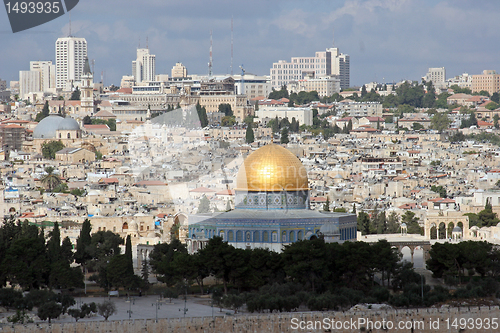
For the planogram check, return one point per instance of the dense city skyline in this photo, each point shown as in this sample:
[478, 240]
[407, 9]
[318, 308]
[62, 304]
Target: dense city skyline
[386, 40]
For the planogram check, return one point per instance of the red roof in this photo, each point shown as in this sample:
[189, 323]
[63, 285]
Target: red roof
[150, 183]
[124, 90]
[202, 190]
[225, 192]
[318, 199]
[96, 127]
[108, 181]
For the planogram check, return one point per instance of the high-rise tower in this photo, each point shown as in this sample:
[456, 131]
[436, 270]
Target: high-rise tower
[70, 58]
[143, 68]
[87, 90]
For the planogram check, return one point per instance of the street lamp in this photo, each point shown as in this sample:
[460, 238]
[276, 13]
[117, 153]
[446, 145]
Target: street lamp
[158, 305]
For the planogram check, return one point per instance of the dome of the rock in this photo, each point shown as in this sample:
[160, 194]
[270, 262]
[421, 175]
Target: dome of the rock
[272, 168]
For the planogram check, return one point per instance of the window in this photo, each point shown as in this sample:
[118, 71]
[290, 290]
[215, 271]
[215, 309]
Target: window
[256, 236]
[239, 236]
[230, 236]
[275, 236]
[265, 237]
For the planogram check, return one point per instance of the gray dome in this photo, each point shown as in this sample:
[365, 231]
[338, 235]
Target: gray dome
[46, 129]
[68, 124]
[330, 229]
[457, 229]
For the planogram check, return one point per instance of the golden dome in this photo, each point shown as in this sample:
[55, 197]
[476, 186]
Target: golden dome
[272, 168]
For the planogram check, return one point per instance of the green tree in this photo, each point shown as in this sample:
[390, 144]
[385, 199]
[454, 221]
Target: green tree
[412, 224]
[49, 311]
[219, 258]
[364, 223]
[87, 120]
[49, 149]
[278, 94]
[202, 114]
[429, 100]
[226, 109]
[249, 135]
[495, 120]
[491, 106]
[75, 95]
[83, 244]
[50, 180]
[487, 217]
[284, 135]
[204, 206]
[440, 122]
[106, 309]
[439, 189]
[162, 261]
[326, 206]
[44, 113]
[305, 261]
[228, 121]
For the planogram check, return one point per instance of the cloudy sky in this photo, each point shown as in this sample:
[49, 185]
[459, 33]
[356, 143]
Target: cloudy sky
[387, 40]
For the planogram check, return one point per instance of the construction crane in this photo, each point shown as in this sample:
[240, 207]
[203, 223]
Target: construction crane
[242, 80]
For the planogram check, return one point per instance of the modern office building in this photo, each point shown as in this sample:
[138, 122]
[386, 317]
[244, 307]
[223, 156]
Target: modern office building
[29, 82]
[488, 81]
[47, 72]
[70, 59]
[179, 71]
[324, 64]
[143, 68]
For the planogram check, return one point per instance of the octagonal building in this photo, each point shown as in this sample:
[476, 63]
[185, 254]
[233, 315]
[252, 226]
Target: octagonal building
[272, 208]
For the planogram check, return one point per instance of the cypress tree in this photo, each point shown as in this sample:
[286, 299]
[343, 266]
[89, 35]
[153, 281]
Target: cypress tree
[249, 136]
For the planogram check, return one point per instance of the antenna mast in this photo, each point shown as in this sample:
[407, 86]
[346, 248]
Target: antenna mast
[231, 46]
[69, 34]
[210, 61]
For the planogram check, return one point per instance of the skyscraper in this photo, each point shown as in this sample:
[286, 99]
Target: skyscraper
[47, 74]
[143, 68]
[327, 63]
[70, 59]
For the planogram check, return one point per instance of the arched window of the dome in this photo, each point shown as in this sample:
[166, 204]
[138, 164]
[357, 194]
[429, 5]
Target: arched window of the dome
[239, 236]
[300, 235]
[230, 236]
[256, 236]
[265, 237]
[292, 236]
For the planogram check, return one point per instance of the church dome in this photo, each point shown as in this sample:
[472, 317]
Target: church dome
[272, 168]
[68, 124]
[47, 127]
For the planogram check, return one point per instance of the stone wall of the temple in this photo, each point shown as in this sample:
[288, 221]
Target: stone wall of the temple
[484, 319]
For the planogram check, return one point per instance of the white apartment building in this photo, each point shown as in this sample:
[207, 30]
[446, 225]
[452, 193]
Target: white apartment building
[324, 86]
[463, 81]
[179, 71]
[359, 109]
[3, 85]
[47, 75]
[326, 63]
[70, 59]
[437, 75]
[143, 68]
[252, 85]
[303, 115]
[29, 82]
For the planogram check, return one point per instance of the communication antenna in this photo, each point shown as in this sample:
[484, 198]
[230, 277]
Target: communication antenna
[333, 37]
[147, 42]
[69, 34]
[93, 66]
[231, 46]
[210, 61]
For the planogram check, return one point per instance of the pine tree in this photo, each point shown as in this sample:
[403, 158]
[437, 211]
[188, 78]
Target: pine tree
[249, 136]
[326, 206]
[82, 254]
[128, 254]
[284, 135]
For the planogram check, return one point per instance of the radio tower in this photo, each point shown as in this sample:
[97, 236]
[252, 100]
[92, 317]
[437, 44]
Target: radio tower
[231, 46]
[210, 62]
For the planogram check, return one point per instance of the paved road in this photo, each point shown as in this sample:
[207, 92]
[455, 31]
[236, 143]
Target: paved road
[145, 308]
